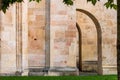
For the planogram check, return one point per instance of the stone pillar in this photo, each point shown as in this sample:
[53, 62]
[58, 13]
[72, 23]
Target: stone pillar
[47, 34]
[18, 37]
[24, 38]
[21, 38]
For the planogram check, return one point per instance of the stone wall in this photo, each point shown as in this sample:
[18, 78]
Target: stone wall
[14, 38]
[23, 38]
[63, 35]
[8, 41]
[36, 34]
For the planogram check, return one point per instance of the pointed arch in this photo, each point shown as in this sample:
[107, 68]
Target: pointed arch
[99, 37]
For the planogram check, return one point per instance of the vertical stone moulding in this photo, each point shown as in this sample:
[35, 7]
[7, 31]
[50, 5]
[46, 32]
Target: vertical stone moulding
[21, 39]
[18, 37]
[47, 34]
[24, 38]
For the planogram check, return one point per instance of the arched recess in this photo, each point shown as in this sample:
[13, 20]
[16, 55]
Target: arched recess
[99, 37]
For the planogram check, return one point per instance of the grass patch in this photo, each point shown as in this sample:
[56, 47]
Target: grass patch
[105, 77]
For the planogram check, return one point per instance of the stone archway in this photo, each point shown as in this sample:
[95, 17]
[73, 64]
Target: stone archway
[99, 37]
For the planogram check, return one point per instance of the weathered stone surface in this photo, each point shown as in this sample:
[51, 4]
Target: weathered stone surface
[24, 43]
[36, 34]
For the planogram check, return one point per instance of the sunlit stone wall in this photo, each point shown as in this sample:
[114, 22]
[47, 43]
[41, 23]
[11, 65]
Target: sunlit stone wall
[36, 34]
[8, 41]
[24, 47]
[63, 34]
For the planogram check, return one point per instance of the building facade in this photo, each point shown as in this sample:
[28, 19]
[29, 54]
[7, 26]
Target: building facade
[51, 38]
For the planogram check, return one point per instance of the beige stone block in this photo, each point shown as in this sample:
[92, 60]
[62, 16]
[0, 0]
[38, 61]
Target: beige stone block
[8, 62]
[25, 73]
[62, 12]
[40, 17]
[109, 70]
[70, 34]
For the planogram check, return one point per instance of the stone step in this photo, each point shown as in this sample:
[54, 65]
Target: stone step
[38, 69]
[63, 69]
[53, 71]
[36, 73]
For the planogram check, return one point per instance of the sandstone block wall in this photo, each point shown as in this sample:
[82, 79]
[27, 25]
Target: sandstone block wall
[63, 34]
[23, 37]
[36, 34]
[8, 41]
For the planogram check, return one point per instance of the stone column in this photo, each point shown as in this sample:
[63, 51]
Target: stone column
[21, 38]
[18, 37]
[47, 34]
[24, 38]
